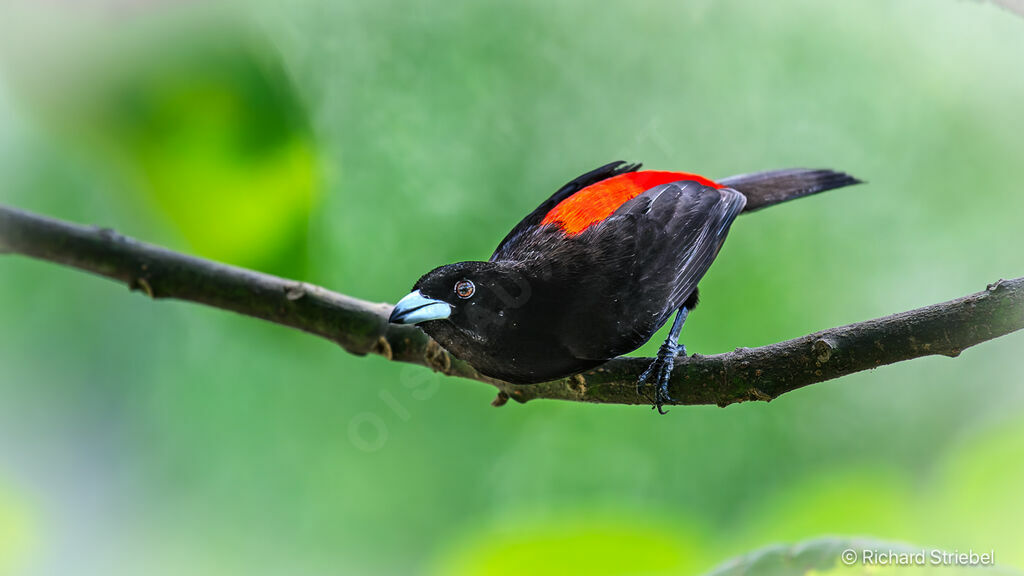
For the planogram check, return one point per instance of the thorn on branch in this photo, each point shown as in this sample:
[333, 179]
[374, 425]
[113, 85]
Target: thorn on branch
[109, 234]
[995, 285]
[500, 400]
[822, 350]
[141, 283]
[297, 291]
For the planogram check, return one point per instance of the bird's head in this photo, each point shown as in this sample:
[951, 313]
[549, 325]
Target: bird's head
[475, 299]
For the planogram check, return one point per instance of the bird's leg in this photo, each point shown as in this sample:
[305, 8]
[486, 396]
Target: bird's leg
[661, 367]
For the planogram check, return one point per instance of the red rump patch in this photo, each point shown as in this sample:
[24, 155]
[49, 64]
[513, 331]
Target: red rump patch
[598, 201]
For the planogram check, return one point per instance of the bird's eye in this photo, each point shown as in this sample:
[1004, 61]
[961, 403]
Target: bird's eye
[464, 289]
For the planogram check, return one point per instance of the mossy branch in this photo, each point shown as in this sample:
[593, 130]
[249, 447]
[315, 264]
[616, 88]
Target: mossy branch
[361, 327]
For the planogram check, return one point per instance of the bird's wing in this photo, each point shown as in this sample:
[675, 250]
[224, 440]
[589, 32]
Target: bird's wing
[649, 257]
[699, 226]
[587, 201]
[533, 219]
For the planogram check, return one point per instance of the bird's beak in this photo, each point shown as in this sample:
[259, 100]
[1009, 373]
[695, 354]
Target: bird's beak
[416, 308]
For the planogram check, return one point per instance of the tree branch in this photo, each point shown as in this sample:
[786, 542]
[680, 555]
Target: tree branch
[361, 327]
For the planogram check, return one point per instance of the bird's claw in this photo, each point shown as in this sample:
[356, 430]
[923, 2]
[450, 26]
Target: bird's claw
[661, 371]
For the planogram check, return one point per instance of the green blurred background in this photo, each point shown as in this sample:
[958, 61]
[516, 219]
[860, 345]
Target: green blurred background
[358, 145]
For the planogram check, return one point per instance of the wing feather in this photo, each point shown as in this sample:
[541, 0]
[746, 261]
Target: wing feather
[651, 254]
[507, 247]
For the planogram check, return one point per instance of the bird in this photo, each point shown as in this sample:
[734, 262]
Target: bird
[594, 272]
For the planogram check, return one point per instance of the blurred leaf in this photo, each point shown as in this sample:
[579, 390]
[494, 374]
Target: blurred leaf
[15, 530]
[221, 141]
[853, 501]
[978, 499]
[202, 118]
[576, 543]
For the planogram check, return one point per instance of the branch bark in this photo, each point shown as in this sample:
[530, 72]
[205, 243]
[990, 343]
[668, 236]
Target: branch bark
[361, 327]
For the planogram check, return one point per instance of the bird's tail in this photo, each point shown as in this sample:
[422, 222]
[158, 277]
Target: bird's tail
[768, 188]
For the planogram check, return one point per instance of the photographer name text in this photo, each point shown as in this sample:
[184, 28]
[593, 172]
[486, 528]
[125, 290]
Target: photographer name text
[871, 557]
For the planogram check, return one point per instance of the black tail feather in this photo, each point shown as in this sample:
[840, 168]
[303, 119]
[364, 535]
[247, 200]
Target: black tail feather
[768, 188]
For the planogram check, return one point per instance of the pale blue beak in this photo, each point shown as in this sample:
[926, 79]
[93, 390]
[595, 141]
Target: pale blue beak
[416, 308]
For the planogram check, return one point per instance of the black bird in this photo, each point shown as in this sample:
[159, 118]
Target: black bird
[594, 272]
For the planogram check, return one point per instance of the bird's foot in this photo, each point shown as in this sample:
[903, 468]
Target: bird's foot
[659, 373]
